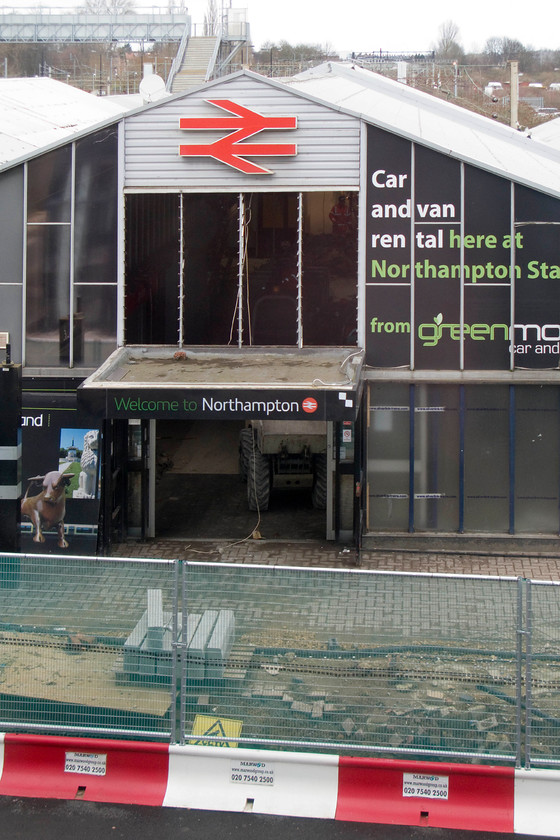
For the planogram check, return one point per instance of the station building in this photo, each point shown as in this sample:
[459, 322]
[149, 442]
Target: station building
[336, 248]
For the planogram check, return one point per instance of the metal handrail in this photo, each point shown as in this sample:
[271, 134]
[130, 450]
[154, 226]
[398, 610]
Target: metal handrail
[178, 60]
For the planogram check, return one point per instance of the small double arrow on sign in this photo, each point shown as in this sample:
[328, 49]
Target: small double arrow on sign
[244, 124]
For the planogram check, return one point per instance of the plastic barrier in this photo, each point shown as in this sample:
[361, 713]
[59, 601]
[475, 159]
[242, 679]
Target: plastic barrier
[385, 791]
[84, 768]
[537, 803]
[423, 793]
[265, 782]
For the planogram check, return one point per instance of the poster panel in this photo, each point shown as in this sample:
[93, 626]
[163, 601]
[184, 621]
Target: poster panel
[61, 459]
[479, 285]
[536, 338]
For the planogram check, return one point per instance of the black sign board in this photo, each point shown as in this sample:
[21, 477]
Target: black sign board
[462, 267]
[59, 438]
[214, 404]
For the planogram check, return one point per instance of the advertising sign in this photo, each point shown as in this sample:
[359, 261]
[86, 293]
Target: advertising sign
[462, 267]
[220, 404]
[61, 455]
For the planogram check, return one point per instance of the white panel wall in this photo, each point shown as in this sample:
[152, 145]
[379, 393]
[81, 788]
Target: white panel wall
[328, 142]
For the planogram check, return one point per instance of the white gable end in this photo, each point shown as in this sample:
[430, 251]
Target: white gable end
[326, 142]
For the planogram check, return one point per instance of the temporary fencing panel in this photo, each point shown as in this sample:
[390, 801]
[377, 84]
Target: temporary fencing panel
[411, 666]
[63, 634]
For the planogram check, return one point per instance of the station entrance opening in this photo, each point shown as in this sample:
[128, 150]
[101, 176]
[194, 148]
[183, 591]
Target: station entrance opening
[219, 443]
[201, 488]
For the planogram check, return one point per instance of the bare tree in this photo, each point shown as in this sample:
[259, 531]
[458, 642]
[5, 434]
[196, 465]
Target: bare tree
[211, 19]
[448, 47]
[109, 7]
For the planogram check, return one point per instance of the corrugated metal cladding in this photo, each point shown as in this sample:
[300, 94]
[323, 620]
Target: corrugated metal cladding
[328, 143]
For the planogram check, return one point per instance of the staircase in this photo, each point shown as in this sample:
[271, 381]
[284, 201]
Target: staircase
[197, 64]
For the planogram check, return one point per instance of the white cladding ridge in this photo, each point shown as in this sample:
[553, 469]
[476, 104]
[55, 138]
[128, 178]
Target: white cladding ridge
[442, 126]
[328, 143]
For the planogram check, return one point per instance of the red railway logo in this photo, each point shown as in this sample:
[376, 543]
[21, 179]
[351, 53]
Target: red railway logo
[309, 405]
[230, 149]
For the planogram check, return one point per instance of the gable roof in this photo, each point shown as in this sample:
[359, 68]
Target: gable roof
[438, 124]
[41, 113]
[548, 132]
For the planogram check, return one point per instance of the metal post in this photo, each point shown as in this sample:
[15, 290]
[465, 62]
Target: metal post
[528, 671]
[182, 660]
[519, 672]
[512, 459]
[174, 655]
[411, 456]
[514, 94]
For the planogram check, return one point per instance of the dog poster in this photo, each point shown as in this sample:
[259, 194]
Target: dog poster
[61, 482]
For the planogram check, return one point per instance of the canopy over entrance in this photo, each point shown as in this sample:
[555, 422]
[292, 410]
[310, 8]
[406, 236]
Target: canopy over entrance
[213, 383]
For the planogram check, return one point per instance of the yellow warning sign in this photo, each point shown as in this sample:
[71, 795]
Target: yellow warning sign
[205, 727]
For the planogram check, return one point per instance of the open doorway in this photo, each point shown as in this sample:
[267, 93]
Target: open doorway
[200, 493]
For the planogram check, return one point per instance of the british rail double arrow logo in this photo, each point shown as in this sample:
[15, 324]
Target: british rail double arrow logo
[230, 149]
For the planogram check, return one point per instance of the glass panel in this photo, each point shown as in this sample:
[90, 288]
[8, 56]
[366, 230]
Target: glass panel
[330, 269]
[95, 324]
[152, 269]
[95, 232]
[436, 467]
[47, 295]
[11, 231]
[487, 459]
[10, 319]
[537, 431]
[388, 458]
[49, 186]
[272, 247]
[211, 268]
[437, 209]
[537, 298]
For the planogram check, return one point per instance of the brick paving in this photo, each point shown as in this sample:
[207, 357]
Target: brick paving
[535, 559]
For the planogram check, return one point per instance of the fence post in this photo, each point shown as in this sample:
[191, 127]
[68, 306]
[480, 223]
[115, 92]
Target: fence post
[175, 647]
[528, 670]
[183, 654]
[520, 632]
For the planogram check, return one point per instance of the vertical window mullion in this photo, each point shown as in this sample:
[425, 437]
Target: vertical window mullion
[24, 269]
[512, 278]
[462, 408]
[241, 262]
[462, 273]
[299, 272]
[411, 456]
[511, 459]
[412, 252]
[181, 270]
[71, 261]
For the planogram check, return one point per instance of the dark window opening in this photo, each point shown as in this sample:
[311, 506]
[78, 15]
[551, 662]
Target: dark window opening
[152, 269]
[258, 269]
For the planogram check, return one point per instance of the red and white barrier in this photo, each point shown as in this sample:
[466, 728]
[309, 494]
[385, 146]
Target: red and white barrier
[537, 802]
[86, 768]
[425, 793]
[265, 782]
[371, 790]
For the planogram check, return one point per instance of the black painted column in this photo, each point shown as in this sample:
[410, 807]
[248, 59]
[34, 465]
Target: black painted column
[10, 471]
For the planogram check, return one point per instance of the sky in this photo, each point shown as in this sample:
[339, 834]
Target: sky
[369, 26]
[348, 26]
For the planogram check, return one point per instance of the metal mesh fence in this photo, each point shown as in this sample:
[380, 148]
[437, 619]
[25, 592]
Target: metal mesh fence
[391, 663]
[432, 666]
[63, 627]
[543, 674]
